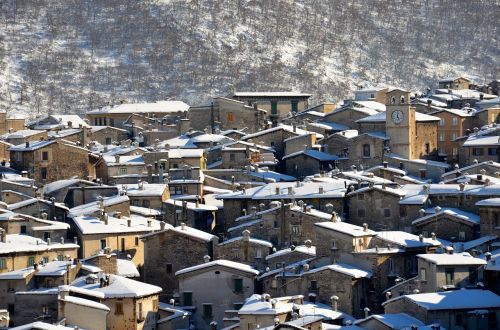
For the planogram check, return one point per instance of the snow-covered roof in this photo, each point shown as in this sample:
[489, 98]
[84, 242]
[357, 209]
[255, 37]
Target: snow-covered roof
[17, 274]
[371, 104]
[318, 155]
[394, 321]
[145, 189]
[24, 133]
[490, 202]
[288, 128]
[144, 211]
[478, 141]
[271, 94]
[124, 160]
[270, 175]
[38, 325]
[61, 184]
[93, 207]
[346, 228]
[85, 302]
[93, 225]
[468, 217]
[442, 259]
[329, 126]
[126, 268]
[192, 206]
[23, 243]
[455, 299]
[251, 240]
[331, 189]
[118, 287]
[406, 240]
[311, 251]
[129, 108]
[346, 269]
[389, 190]
[33, 145]
[220, 263]
[54, 268]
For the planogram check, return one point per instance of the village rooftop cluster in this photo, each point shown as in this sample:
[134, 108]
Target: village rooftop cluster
[257, 210]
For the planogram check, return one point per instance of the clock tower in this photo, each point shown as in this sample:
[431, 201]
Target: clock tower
[400, 122]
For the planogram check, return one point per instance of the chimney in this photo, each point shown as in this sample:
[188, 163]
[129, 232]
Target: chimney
[213, 325]
[290, 191]
[49, 241]
[297, 184]
[117, 159]
[75, 240]
[437, 209]
[367, 312]
[334, 216]
[365, 227]
[149, 169]
[246, 235]
[321, 190]
[27, 144]
[421, 238]
[106, 219]
[206, 258]
[129, 223]
[449, 250]
[183, 226]
[62, 240]
[277, 190]
[233, 183]
[433, 235]
[294, 128]
[149, 223]
[335, 302]
[429, 103]
[488, 256]
[3, 235]
[385, 164]
[481, 96]
[162, 225]
[462, 186]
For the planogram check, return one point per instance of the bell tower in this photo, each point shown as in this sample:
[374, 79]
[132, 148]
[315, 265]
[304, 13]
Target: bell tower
[400, 122]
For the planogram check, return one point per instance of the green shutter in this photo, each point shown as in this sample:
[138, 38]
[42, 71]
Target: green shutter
[274, 108]
[31, 261]
[295, 107]
[3, 263]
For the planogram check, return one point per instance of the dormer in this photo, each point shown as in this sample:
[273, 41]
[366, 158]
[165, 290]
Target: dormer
[397, 97]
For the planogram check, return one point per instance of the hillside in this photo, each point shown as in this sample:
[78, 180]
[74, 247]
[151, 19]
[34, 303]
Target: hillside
[74, 55]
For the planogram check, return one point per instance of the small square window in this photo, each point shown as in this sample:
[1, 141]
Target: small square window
[207, 310]
[238, 285]
[45, 155]
[169, 268]
[387, 213]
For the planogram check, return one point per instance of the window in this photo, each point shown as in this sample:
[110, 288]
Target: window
[175, 190]
[334, 244]
[372, 96]
[427, 148]
[169, 268]
[276, 224]
[140, 315]
[454, 151]
[188, 298]
[123, 170]
[295, 106]
[238, 285]
[295, 230]
[207, 310]
[387, 213]
[111, 122]
[123, 244]
[46, 260]
[450, 276]
[43, 173]
[477, 151]
[31, 261]
[453, 136]
[46, 235]
[274, 108]
[23, 229]
[60, 257]
[118, 308]
[314, 285]
[441, 136]
[472, 275]
[45, 155]
[145, 203]
[402, 211]
[3, 263]
[391, 266]
[441, 122]
[232, 157]
[103, 244]
[108, 140]
[361, 197]
[230, 116]
[136, 241]
[258, 253]
[454, 121]
[366, 150]
[492, 151]
[361, 213]
[461, 235]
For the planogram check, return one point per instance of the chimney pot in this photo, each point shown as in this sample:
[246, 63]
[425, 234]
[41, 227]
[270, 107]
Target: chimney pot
[365, 227]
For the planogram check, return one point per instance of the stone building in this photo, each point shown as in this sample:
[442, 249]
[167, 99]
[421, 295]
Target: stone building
[282, 225]
[479, 148]
[23, 136]
[148, 195]
[452, 309]
[11, 123]
[489, 213]
[225, 113]
[308, 162]
[449, 224]
[291, 255]
[116, 116]
[444, 271]
[119, 169]
[106, 135]
[454, 83]
[47, 161]
[193, 214]
[318, 195]
[378, 206]
[348, 115]
[245, 249]
[234, 282]
[181, 247]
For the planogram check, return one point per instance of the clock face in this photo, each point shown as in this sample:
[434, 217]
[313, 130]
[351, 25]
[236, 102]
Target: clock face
[397, 117]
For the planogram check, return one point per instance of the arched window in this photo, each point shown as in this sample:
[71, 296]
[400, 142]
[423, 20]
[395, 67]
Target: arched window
[393, 100]
[402, 100]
